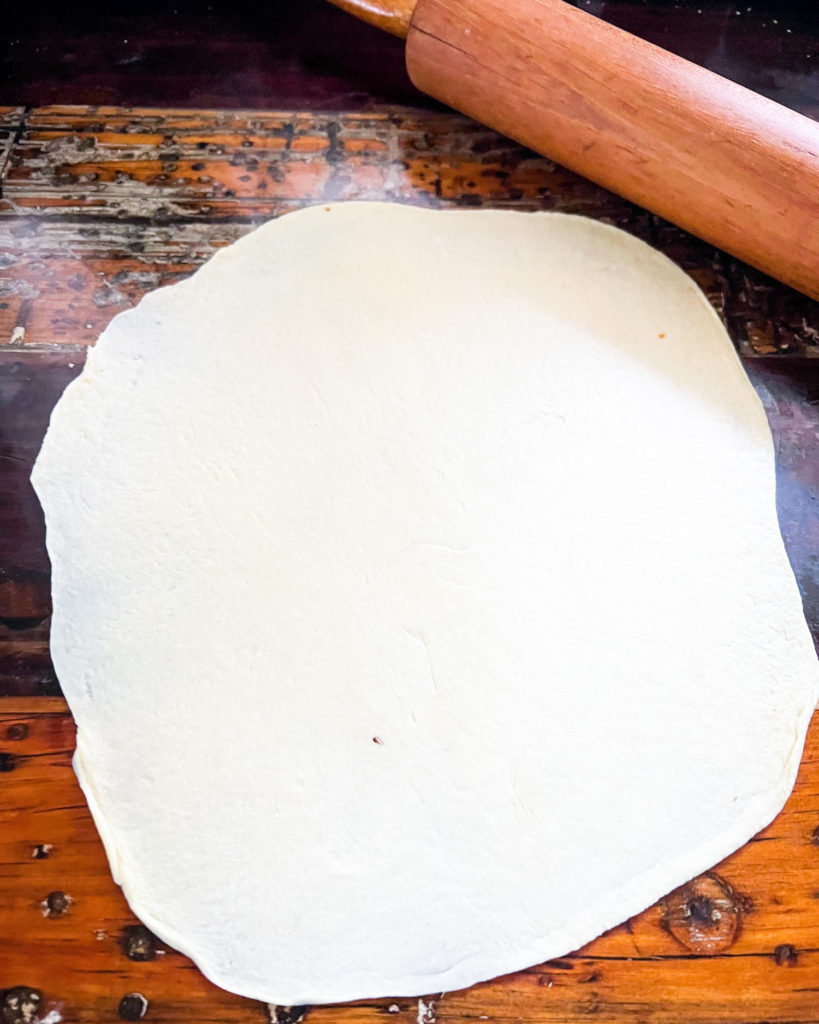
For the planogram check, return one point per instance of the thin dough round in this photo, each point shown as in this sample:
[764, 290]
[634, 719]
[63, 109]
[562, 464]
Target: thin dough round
[401, 560]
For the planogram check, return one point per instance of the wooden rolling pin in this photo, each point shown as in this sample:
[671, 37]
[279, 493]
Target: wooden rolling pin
[715, 158]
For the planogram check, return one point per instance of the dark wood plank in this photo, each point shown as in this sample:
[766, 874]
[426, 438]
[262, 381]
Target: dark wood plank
[303, 54]
[299, 54]
[790, 394]
[29, 387]
[770, 46]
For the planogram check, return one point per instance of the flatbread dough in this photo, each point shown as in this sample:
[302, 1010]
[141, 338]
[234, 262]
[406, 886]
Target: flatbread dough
[419, 596]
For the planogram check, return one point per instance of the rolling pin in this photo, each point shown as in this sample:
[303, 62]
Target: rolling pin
[715, 158]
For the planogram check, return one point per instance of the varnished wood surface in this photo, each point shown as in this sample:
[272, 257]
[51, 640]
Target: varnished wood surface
[740, 944]
[99, 206]
[705, 153]
[392, 16]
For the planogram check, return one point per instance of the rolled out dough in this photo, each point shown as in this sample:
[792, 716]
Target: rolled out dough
[419, 596]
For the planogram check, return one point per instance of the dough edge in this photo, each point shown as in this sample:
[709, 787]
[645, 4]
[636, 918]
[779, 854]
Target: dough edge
[638, 894]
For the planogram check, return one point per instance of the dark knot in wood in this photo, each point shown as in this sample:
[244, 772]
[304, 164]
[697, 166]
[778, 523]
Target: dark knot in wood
[133, 1006]
[20, 1005]
[704, 915]
[785, 955]
[17, 731]
[6, 762]
[703, 911]
[138, 943]
[56, 904]
[286, 1014]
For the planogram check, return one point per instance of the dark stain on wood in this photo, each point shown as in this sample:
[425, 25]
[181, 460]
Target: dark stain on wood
[20, 1005]
[304, 53]
[785, 955]
[139, 943]
[287, 1014]
[56, 903]
[27, 395]
[133, 1006]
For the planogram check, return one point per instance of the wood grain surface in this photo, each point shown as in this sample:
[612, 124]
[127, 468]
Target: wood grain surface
[99, 206]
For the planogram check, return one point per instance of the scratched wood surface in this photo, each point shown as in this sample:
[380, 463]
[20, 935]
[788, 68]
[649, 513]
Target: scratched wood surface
[99, 206]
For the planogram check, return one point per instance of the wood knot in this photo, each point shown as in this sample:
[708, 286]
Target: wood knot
[133, 1006]
[703, 911]
[785, 955]
[704, 915]
[6, 762]
[139, 944]
[815, 836]
[20, 1005]
[56, 904]
[286, 1014]
[17, 731]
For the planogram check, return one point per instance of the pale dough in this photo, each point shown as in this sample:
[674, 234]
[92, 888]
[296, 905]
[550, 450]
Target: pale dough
[419, 596]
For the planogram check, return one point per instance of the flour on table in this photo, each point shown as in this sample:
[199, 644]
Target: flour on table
[419, 596]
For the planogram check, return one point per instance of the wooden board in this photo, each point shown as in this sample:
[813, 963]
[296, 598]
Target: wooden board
[99, 206]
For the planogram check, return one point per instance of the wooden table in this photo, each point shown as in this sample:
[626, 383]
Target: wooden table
[98, 207]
